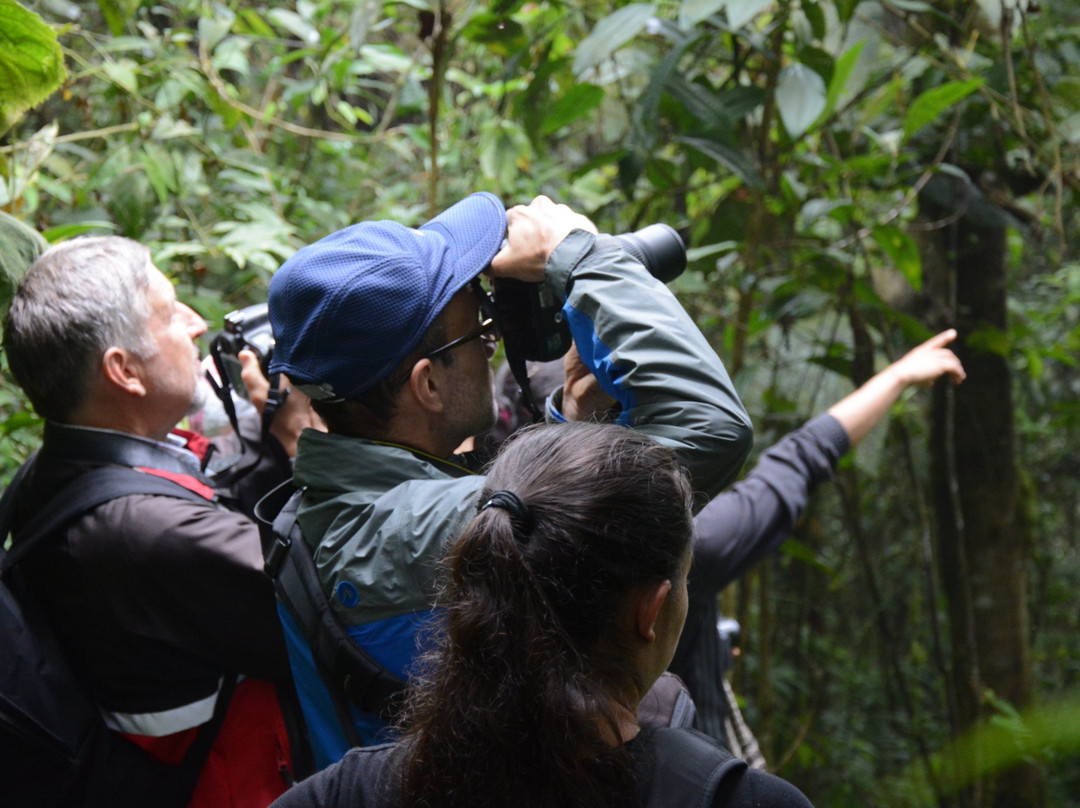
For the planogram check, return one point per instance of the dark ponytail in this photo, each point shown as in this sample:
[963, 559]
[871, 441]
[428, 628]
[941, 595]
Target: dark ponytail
[517, 703]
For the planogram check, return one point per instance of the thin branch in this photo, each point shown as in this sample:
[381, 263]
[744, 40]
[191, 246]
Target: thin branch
[89, 134]
[221, 88]
[917, 186]
[1055, 142]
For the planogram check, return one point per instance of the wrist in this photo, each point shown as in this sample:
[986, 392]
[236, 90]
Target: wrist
[553, 407]
[896, 379]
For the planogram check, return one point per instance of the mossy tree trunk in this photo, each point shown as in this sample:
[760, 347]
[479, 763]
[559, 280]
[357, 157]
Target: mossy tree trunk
[984, 542]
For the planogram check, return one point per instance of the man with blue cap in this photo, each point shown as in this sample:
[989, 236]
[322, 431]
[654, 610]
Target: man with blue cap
[382, 326]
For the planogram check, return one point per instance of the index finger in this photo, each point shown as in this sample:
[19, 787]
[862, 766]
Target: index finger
[940, 340]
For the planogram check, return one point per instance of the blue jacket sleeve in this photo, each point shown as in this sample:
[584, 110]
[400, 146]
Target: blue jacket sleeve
[649, 356]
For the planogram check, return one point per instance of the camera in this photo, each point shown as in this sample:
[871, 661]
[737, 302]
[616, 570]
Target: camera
[248, 328]
[530, 316]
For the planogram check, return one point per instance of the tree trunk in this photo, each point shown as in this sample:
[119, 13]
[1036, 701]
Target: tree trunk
[984, 542]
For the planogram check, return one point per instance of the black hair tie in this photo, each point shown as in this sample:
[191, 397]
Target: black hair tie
[512, 504]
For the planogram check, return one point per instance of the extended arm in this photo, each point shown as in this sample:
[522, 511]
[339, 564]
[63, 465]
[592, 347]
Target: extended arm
[743, 525]
[858, 412]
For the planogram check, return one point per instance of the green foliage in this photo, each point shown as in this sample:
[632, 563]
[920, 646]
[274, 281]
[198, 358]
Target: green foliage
[19, 246]
[31, 65]
[930, 106]
[1009, 735]
[788, 142]
[800, 98]
[610, 34]
[117, 13]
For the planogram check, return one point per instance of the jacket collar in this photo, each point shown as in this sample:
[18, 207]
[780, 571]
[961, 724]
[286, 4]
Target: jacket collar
[100, 446]
[339, 463]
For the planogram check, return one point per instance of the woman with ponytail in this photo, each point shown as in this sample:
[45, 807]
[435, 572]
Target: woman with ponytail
[563, 601]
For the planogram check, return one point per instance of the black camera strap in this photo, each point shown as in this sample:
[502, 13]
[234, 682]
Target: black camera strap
[275, 398]
[229, 469]
[223, 389]
[513, 358]
[520, 370]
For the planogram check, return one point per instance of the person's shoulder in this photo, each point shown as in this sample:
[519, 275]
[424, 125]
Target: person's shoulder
[674, 741]
[364, 778]
[688, 767]
[679, 766]
[157, 526]
[753, 788]
[367, 766]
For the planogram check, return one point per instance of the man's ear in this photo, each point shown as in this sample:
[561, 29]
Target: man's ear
[123, 370]
[425, 386]
[650, 600]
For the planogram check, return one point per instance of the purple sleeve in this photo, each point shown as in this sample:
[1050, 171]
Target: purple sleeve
[741, 526]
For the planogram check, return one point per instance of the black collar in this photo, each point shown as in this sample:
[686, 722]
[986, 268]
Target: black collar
[102, 446]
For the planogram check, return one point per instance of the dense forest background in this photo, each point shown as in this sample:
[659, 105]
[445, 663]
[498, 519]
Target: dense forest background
[850, 177]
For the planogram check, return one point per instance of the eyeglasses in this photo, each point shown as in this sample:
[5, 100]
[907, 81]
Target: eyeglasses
[486, 331]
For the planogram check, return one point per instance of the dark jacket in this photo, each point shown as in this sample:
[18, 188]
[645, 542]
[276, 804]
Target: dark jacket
[673, 768]
[733, 533]
[156, 598]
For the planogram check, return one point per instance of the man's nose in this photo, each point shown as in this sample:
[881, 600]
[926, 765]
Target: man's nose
[196, 325]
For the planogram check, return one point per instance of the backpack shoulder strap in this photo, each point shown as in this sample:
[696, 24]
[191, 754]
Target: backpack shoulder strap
[347, 668]
[88, 490]
[7, 501]
[688, 768]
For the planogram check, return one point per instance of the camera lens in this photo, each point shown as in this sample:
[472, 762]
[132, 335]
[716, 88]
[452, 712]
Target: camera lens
[659, 247]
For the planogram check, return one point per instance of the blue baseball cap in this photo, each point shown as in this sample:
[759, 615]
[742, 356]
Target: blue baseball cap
[349, 308]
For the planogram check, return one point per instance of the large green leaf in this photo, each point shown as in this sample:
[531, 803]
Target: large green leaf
[800, 96]
[579, 101]
[20, 245]
[610, 34]
[66, 231]
[296, 25]
[816, 17]
[739, 12]
[928, 106]
[502, 34]
[691, 12]
[805, 553]
[661, 79]
[845, 64]
[31, 64]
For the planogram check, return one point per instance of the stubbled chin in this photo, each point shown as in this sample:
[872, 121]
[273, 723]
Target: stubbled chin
[200, 396]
